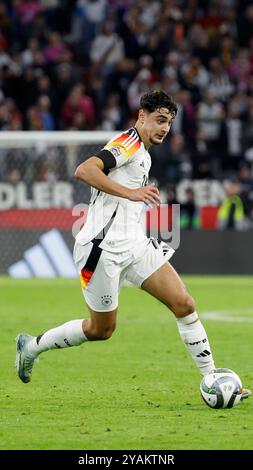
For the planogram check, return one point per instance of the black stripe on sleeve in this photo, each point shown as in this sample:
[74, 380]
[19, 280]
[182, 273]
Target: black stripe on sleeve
[107, 158]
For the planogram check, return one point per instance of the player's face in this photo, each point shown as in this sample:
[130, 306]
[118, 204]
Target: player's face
[157, 125]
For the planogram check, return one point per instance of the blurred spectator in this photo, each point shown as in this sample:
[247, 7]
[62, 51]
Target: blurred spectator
[219, 84]
[26, 11]
[168, 158]
[246, 183]
[140, 84]
[210, 114]
[107, 50]
[169, 194]
[29, 90]
[64, 77]
[231, 214]
[185, 121]
[44, 87]
[232, 143]
[189, 213]
[245, 26]
[28, 56]
[248, 128]
[55, 49]
[78, 102]
[240, 69]
[111, 114]
[34, 119]
[202, 157]
[5, 28]
[44, 111]
[197, 71]
[10, 116]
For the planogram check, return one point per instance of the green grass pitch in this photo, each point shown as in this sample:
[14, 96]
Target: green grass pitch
[140, 389]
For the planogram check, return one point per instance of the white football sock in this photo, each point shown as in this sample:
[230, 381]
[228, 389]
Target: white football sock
[195, 339]
[66, 335]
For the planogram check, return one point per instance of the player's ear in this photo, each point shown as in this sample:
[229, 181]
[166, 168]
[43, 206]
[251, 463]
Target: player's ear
[141, 116]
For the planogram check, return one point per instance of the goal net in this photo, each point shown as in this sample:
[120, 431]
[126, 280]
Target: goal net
[37, 195]
[42, 205]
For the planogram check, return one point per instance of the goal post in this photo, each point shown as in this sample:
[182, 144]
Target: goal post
[20, 139]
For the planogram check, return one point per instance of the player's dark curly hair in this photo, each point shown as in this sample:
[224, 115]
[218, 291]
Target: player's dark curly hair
[155, 99]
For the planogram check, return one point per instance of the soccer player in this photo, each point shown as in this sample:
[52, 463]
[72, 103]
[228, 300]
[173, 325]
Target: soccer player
[112, 246]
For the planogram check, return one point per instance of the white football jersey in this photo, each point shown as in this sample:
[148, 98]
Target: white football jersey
[114, 222]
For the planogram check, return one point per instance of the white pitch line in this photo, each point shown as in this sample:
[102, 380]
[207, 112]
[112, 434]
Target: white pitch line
[225, 316]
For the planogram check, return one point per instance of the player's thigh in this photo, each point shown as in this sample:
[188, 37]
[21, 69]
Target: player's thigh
[99, 278]
[166, 285]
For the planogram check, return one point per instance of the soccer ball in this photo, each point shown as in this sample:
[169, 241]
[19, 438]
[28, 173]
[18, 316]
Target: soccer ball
[221, 388]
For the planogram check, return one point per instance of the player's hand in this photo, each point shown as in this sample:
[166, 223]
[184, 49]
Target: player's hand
[148, 194]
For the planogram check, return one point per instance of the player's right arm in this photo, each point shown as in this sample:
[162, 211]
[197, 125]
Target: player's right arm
[92, 172]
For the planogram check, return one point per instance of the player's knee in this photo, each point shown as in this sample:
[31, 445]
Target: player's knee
[185, 306]
[107, 332]
[104, 333]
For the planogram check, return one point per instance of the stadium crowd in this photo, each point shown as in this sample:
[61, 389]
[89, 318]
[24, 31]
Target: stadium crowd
[83, 64]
